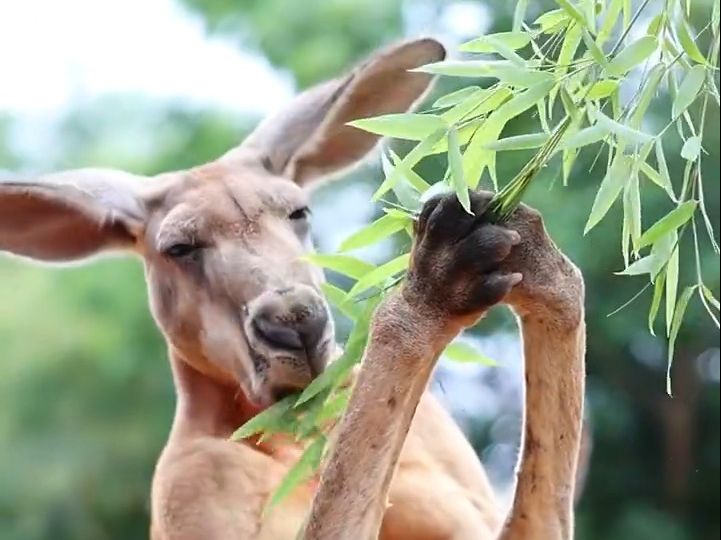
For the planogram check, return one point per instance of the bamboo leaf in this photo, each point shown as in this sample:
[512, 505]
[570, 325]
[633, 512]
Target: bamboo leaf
[519, 14]
[609, 21]
[343, 264]
[708, 294]
[410, 126]
[521, 77]
[663, 169]
[688, 43]
[379, 275]
[632, 201]
[421, 150]
[407, 174]
[623, 132]
[691, 148]
[658, 288]
[338, 298]
[631, 56]
[521, 102]
[335, 406]
[689, 89]
[269, 420]
[299, 473]
[610, 188]
[570, 45]
[645, 265]
[573, 12]
[519, 142]
[602, 89]
[596, 53]
[585, 136]
[454, 98]
[650, 88]
[462, 68]
[552, 21]
[376, 231]
[657, 179]
[672, 270]
[487, 44]
[455, 164]
[464, 353]
[675, 327]
[670, 222]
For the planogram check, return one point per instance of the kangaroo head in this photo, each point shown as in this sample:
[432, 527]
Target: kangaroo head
[223, 243]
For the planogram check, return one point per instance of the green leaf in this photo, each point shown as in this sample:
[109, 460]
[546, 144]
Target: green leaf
[645, 265]
[689, 44]
[407, 174]
[689, 89]
[568, 50]
[631, 56]
[477, 105]
[609, 21]
[343, 264]
[338, 298]
[271, 419]
[678, 315]
[411, 126]
[462, 68]
[487, 44]
[650, 88]
[375, 232]
[596, 53]
[379, 275]
[521, 77]
[506, 52]
[663, 169]
[658, 288]
[405, 167]
[691, 148]
[569, 106]
[657, 179]
[406, 193]
[626, 133]
[299, 473]
[572, 11]
[670, 222]
[610, 188]
[632, 204]
[519, 142]
[602, 89]
[584, 137]
[519, 14]
[455, 164]
[672, 270]
[308, 424]
[464, 353]
[335, 406]
[708, 294]
[656, 25]
[454, 98]
[552, 21]
[569, 158]
[521, 102]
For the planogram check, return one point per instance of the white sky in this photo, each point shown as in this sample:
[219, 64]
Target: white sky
[54, 52]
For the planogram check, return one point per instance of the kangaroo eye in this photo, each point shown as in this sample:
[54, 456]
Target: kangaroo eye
[178, 251]
[301, 213]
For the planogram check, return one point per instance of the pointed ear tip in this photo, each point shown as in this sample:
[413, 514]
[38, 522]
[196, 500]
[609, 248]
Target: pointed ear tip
[428, 50]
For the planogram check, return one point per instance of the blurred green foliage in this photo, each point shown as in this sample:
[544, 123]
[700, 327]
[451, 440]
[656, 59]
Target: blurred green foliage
[86, 395]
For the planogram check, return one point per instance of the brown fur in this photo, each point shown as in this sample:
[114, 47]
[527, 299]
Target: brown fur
[223, 245]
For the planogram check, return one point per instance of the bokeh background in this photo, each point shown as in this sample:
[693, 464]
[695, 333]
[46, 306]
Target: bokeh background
[151, 85]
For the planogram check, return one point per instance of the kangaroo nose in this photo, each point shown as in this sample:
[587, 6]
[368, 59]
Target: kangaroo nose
[301, 333]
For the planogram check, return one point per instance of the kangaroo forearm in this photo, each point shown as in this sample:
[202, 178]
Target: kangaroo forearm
[554, 365]
[402, 352]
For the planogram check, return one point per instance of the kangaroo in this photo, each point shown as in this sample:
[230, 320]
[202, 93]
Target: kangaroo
[246, 324]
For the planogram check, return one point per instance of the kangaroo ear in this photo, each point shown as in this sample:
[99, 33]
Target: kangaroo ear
[70, 215]
[309, 139]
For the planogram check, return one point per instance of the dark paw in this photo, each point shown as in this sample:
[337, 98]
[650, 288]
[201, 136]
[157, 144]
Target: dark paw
[457, 258]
